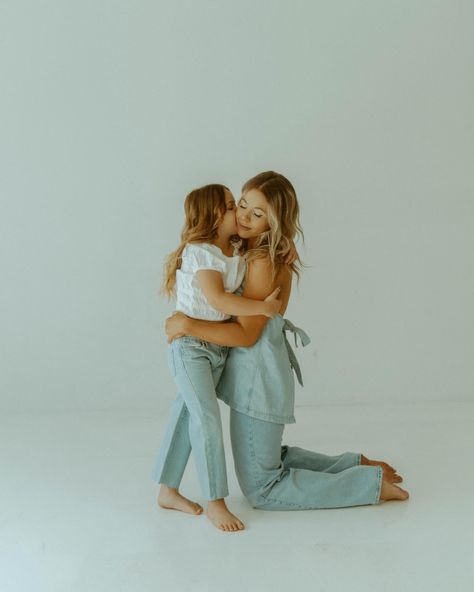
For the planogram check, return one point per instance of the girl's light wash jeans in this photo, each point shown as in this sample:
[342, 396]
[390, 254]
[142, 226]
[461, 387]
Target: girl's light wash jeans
[276, 477]
[195, 420]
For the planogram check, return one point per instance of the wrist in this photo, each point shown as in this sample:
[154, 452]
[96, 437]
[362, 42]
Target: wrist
[186, 328]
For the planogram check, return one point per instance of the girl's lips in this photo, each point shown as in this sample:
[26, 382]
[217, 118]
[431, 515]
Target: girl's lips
[242, 226]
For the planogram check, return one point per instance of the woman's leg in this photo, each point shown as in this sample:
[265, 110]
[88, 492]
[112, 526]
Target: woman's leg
[270, 485]
[298, 458]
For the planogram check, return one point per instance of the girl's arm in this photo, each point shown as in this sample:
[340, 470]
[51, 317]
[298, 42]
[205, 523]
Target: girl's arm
[245, 331]
[213, 287]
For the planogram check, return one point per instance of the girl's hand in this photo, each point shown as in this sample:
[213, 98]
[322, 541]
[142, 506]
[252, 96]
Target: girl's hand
[175, 326]
[273, 305]
[292, 254]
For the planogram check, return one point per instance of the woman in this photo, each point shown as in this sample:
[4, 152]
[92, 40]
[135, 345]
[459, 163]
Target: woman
[257, 382]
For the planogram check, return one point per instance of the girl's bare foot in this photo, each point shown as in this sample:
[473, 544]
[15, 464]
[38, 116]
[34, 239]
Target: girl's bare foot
[390, 491]
[389, 473]
[220, 516]
[170, 499]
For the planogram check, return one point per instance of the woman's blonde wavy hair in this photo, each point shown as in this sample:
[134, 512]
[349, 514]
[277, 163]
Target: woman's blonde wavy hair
[204, 209]
[283, 216]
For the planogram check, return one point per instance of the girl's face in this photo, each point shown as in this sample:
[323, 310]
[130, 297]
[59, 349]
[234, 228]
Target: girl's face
[228, 226]
[252, 214]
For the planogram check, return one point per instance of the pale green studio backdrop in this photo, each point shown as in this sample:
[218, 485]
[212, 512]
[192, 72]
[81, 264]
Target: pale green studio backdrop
[111, 111]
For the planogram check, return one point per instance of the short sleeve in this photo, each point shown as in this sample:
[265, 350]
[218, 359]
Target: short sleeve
[201, 257]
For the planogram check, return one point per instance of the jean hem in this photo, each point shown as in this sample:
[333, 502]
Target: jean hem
[378, 487]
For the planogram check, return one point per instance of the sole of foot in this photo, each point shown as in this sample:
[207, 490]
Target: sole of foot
[390, 491]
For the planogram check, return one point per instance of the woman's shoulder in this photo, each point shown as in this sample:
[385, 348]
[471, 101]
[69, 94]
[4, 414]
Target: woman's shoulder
[264, 265]
[261, 264]
[260, 279]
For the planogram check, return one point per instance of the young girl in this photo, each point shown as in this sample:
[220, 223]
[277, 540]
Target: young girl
[204, 272]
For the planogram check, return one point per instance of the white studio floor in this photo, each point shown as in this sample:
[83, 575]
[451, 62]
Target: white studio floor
[78, 513]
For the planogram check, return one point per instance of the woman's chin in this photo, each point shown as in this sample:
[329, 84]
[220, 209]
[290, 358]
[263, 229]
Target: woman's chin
[244, 232]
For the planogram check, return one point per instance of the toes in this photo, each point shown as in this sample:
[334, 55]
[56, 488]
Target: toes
[403, 492]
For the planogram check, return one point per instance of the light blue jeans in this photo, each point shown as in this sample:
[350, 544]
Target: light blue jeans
[276, 477]
[195, 420]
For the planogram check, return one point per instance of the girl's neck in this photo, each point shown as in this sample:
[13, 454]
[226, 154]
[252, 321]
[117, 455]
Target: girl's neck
[224, 244]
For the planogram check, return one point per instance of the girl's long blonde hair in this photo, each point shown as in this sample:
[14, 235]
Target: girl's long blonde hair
[283, 218]
[204, 209]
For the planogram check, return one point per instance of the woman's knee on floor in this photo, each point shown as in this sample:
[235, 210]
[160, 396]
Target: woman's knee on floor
[256, 500]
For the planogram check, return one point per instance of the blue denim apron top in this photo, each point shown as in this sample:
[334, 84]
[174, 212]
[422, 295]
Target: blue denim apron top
[258, 381]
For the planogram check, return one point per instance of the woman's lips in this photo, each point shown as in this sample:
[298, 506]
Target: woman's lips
[242, 226]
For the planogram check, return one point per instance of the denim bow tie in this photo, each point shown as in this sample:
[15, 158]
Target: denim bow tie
[304, 339]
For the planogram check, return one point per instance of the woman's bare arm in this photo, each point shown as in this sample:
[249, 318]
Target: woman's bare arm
[245, 331]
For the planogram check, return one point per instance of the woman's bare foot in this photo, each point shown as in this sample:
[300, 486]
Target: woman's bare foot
[220, 516]
[389, 473]
[171, 499]
[390, 491]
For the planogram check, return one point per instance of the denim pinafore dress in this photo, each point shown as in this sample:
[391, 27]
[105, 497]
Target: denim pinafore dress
[258, 380]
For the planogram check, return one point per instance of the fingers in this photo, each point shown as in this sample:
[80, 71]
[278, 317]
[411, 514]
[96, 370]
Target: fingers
[274, 294]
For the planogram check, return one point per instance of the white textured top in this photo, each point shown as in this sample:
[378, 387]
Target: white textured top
[190, 298]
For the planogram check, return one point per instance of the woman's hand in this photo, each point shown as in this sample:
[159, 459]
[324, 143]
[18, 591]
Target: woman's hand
[273, 305]
[175, 326]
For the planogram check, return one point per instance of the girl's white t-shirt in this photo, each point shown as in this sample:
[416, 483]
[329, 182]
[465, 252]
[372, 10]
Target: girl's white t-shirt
[190, 298]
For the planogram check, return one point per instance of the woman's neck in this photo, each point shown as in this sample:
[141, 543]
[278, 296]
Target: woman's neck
[251, 242]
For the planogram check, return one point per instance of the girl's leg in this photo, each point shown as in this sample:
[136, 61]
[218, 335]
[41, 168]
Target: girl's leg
[196, 378]
[195, 382]
[269, 485]
[197, 368]
[175, 447]
[172, 459]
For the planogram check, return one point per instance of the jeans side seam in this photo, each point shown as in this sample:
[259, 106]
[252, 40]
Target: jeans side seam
[251, 445]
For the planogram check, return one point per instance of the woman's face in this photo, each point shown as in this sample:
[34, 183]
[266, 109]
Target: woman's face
[252, 214]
